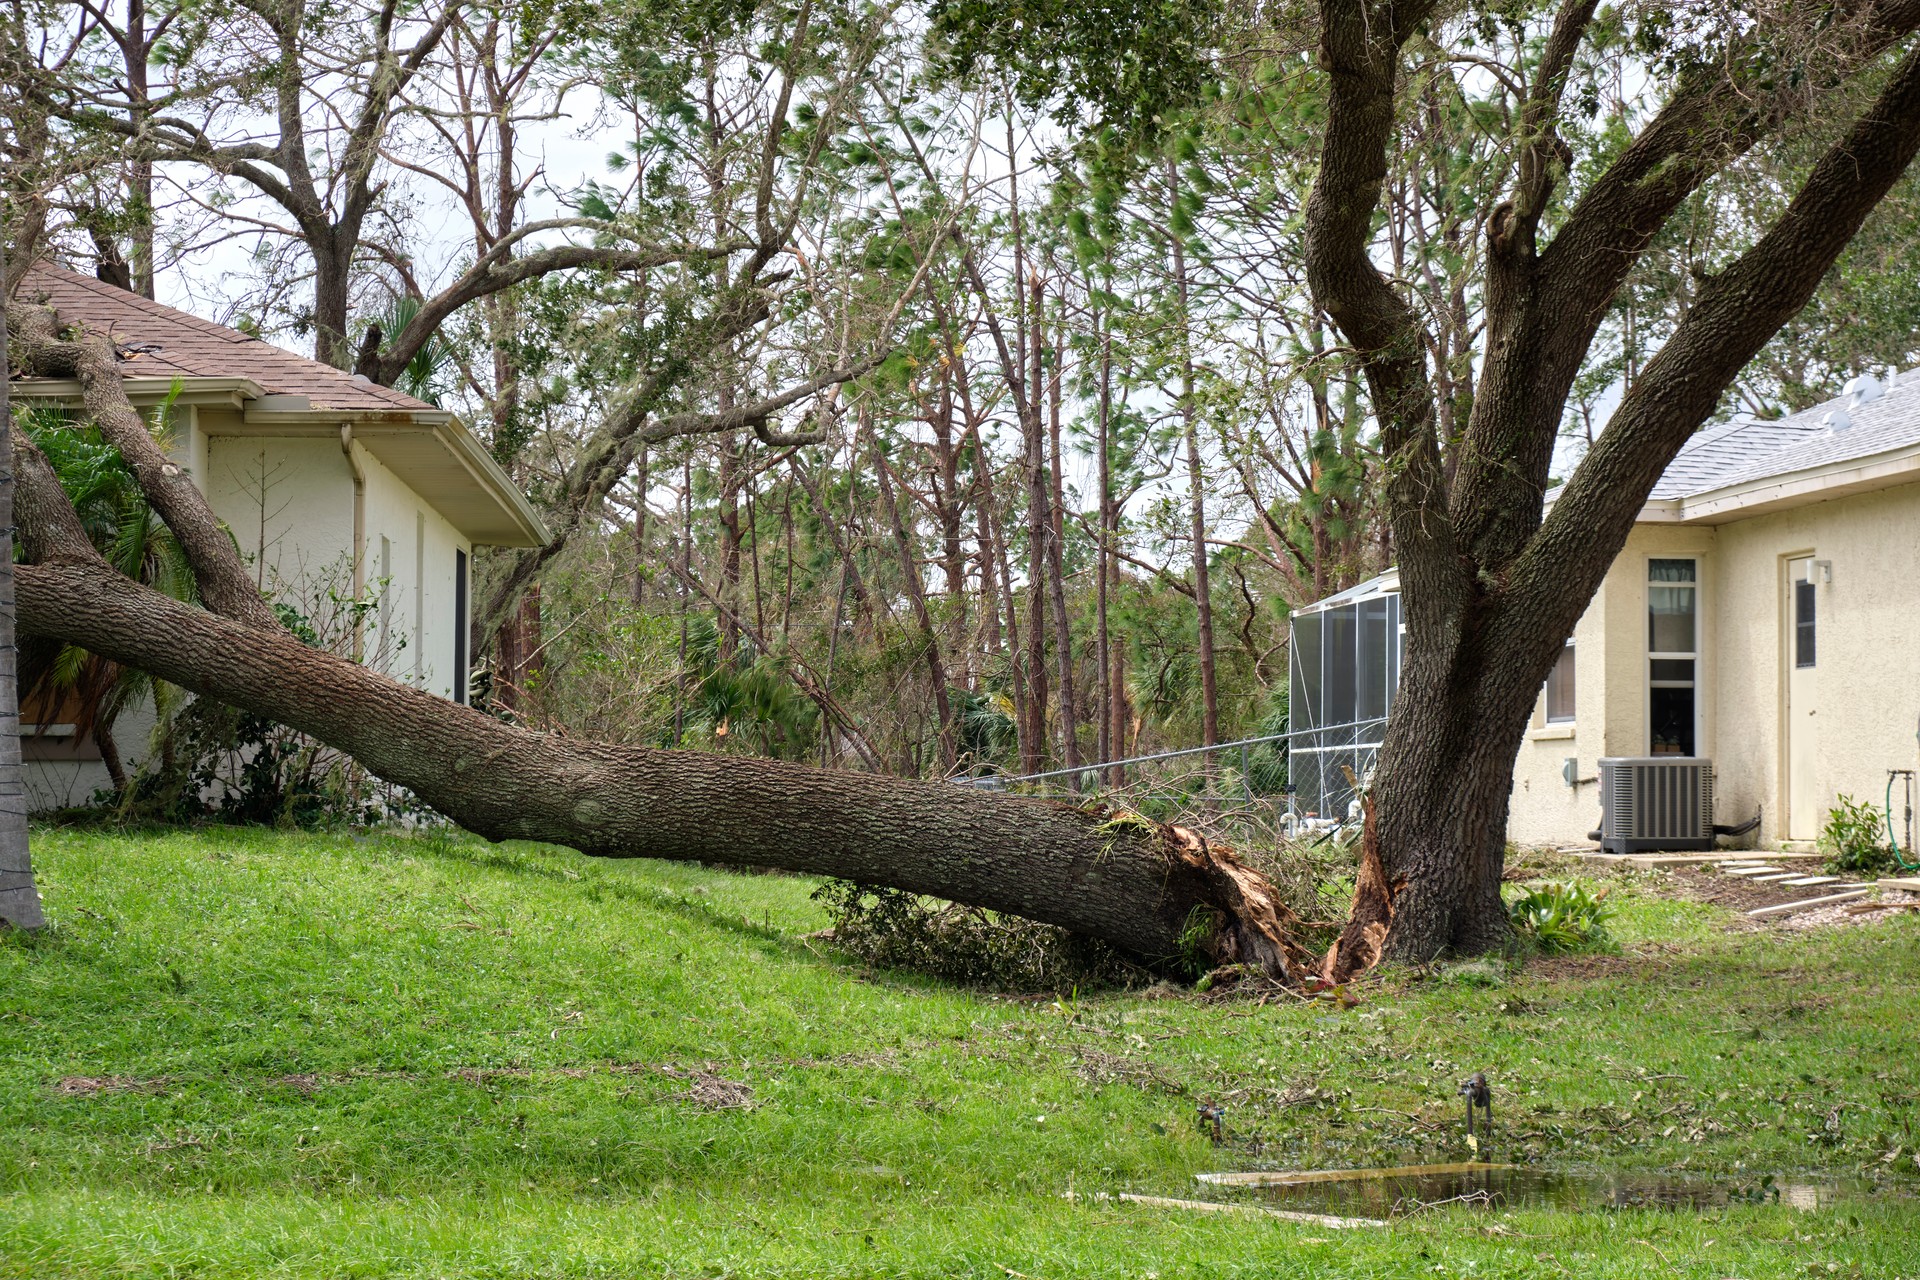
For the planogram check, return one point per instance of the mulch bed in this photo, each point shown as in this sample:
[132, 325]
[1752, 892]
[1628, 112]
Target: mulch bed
[1740, 893]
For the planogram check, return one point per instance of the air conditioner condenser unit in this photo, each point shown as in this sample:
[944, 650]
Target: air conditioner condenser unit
[1656, 802]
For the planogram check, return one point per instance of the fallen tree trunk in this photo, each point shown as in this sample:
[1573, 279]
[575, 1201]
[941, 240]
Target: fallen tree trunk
[1159, 893]
[1138, 885]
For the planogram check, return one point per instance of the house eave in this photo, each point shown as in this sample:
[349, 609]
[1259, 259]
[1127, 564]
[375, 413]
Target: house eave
[146, 392]
[1763, 496]
[503, 518]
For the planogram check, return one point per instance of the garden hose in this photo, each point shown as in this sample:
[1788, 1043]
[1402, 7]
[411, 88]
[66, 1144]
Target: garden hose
[1892, 839]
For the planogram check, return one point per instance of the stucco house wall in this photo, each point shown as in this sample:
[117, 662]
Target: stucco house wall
[1866, 693]
[412, 553]
[1610, 681]
[1867, 701]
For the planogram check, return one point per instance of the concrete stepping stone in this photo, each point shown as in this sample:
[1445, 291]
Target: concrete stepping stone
[1814, 880]
[1806, 903]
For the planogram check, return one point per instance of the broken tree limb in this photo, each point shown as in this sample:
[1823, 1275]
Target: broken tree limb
[1138, 885]
[1363, 941]
[40, 348]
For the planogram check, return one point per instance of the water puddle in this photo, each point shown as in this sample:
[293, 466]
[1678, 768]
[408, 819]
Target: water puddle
[1381, 1193]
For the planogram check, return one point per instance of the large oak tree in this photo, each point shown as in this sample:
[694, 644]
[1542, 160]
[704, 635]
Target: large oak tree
[1494, 580]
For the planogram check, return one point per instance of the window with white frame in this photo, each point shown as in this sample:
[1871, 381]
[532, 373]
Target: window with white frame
[1673, 656]
[1560, 688]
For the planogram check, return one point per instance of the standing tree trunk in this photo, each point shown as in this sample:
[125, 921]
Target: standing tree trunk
[1196, 486]
[19, 898]
[917, 598]
[950, 507]
[729, 593]
[1033, 734]
[1103, 550]
[136, 47]
[1056, 553]
[1492, 583]
[641, 484]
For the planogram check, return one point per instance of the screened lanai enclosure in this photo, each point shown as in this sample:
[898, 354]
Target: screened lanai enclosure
[1345, 666]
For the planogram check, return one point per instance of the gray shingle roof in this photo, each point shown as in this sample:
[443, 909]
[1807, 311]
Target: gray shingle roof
[1745, 450]
[191, 347]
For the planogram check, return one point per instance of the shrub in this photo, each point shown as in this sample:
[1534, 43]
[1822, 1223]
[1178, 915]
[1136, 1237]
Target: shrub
[1854, 838]
[893, 929]
[1562, 916]
[216, 762]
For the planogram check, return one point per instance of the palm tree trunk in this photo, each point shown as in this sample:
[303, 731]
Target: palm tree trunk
[19, 898]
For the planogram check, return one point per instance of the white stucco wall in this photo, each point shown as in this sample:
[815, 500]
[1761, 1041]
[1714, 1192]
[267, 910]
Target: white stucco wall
[1867, 697]
[415, 585]
[1868, 694]
[289, 502]
[1610, 677]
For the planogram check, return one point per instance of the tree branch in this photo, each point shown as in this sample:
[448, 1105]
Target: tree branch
[1360, 49]
[490, 275]
[1735, 314]
[224, 583]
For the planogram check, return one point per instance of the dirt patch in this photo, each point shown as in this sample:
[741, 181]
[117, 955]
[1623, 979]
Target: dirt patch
[1740, 893]
[712, 1092]
[94, 1086]
[1578, 968]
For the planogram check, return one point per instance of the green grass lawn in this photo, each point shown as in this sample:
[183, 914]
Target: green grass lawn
[244, 1053]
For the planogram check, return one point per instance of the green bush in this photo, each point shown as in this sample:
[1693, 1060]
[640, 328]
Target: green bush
[1854, 838]
[1563, 916]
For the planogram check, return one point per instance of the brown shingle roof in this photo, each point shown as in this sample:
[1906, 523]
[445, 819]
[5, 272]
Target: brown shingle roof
[191, 347]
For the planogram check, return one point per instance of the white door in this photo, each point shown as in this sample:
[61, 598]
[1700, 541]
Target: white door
[1802, 728]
